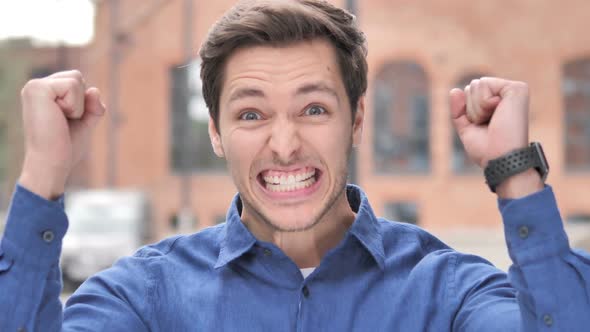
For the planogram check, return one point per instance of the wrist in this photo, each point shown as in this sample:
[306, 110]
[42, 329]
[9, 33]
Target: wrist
[43, 180]
[520, 185]
[517, 166]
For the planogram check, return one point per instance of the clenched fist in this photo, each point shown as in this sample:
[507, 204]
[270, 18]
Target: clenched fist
[59, 113]
[491, 116]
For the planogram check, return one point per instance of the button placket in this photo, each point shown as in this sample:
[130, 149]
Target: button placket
[305, 291]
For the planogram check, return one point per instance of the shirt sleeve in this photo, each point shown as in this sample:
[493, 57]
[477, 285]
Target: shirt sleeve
[548, 284]
[30, 278]
[552, 280]
[117, 299]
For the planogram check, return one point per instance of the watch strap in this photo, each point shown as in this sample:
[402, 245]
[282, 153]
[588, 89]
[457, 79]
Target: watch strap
[517, 161]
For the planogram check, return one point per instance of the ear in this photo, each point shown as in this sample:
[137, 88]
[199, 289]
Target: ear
[358, 121]
[215, 139]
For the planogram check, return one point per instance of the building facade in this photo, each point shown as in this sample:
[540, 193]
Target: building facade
[410, 162]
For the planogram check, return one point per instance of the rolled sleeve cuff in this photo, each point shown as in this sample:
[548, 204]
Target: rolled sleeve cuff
[533, 227]
[34, 230]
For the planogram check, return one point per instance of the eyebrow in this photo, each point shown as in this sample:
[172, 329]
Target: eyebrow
[302, 90]
[316, 87]
[244, 93]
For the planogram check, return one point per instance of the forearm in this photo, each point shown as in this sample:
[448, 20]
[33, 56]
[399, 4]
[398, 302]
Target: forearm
[30, 280]
[551, 280]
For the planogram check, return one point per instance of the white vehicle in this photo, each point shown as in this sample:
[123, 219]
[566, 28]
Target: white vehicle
[104, 225]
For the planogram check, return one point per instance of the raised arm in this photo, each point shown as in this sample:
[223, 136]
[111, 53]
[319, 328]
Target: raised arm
[552, 281]
[59, 114]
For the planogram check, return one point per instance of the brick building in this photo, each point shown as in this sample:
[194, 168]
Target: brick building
[410, 163]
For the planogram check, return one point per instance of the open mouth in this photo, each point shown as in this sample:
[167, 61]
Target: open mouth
[289, 181]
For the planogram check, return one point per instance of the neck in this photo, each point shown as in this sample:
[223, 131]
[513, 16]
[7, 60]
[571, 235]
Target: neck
[307, 248]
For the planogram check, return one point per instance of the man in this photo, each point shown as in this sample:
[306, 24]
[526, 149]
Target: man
[301, 251]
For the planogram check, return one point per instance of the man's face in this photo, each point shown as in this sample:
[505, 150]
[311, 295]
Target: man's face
[286, 130]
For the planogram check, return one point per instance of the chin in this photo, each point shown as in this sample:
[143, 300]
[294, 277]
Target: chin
[297, 223]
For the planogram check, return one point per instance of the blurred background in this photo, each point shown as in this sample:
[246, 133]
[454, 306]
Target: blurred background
[151, 172]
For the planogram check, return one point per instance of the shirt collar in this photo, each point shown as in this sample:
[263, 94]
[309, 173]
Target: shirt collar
[366, 226]
[237, 239]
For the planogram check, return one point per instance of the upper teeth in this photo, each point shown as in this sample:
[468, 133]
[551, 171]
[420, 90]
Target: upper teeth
[289, 179]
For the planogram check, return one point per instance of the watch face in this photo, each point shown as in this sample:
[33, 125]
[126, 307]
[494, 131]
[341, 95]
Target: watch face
[544, 168]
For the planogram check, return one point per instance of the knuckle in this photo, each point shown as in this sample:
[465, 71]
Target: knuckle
[488, 80]
[521, 87]
[32, 87]
[77, 74]
[74, 84]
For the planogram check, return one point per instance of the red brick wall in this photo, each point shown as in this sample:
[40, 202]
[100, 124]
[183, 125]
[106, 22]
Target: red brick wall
[525, 40]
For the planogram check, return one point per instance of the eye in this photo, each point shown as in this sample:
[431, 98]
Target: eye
[315, 110]
[250, 116]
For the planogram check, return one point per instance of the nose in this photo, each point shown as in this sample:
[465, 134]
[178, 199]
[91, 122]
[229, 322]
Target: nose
[284, 141]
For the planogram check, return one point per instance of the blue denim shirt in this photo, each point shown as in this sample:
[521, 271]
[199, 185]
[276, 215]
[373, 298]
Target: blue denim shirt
[383, 276]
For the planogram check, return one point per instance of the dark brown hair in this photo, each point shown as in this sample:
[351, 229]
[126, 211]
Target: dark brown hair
[277, 23]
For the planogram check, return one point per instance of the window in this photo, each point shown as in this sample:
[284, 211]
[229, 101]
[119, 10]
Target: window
[191, 148]
[576, 93]
[402, 211]
[460, 162]
[401, 119]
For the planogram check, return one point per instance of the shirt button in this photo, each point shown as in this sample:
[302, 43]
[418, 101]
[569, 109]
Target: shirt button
[548, 320]
[305, 291]
[48, 236]
[267, 252]
[21, 329]
[523, 232]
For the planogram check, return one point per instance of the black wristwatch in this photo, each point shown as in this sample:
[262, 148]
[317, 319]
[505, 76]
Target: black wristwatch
[517, 161]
